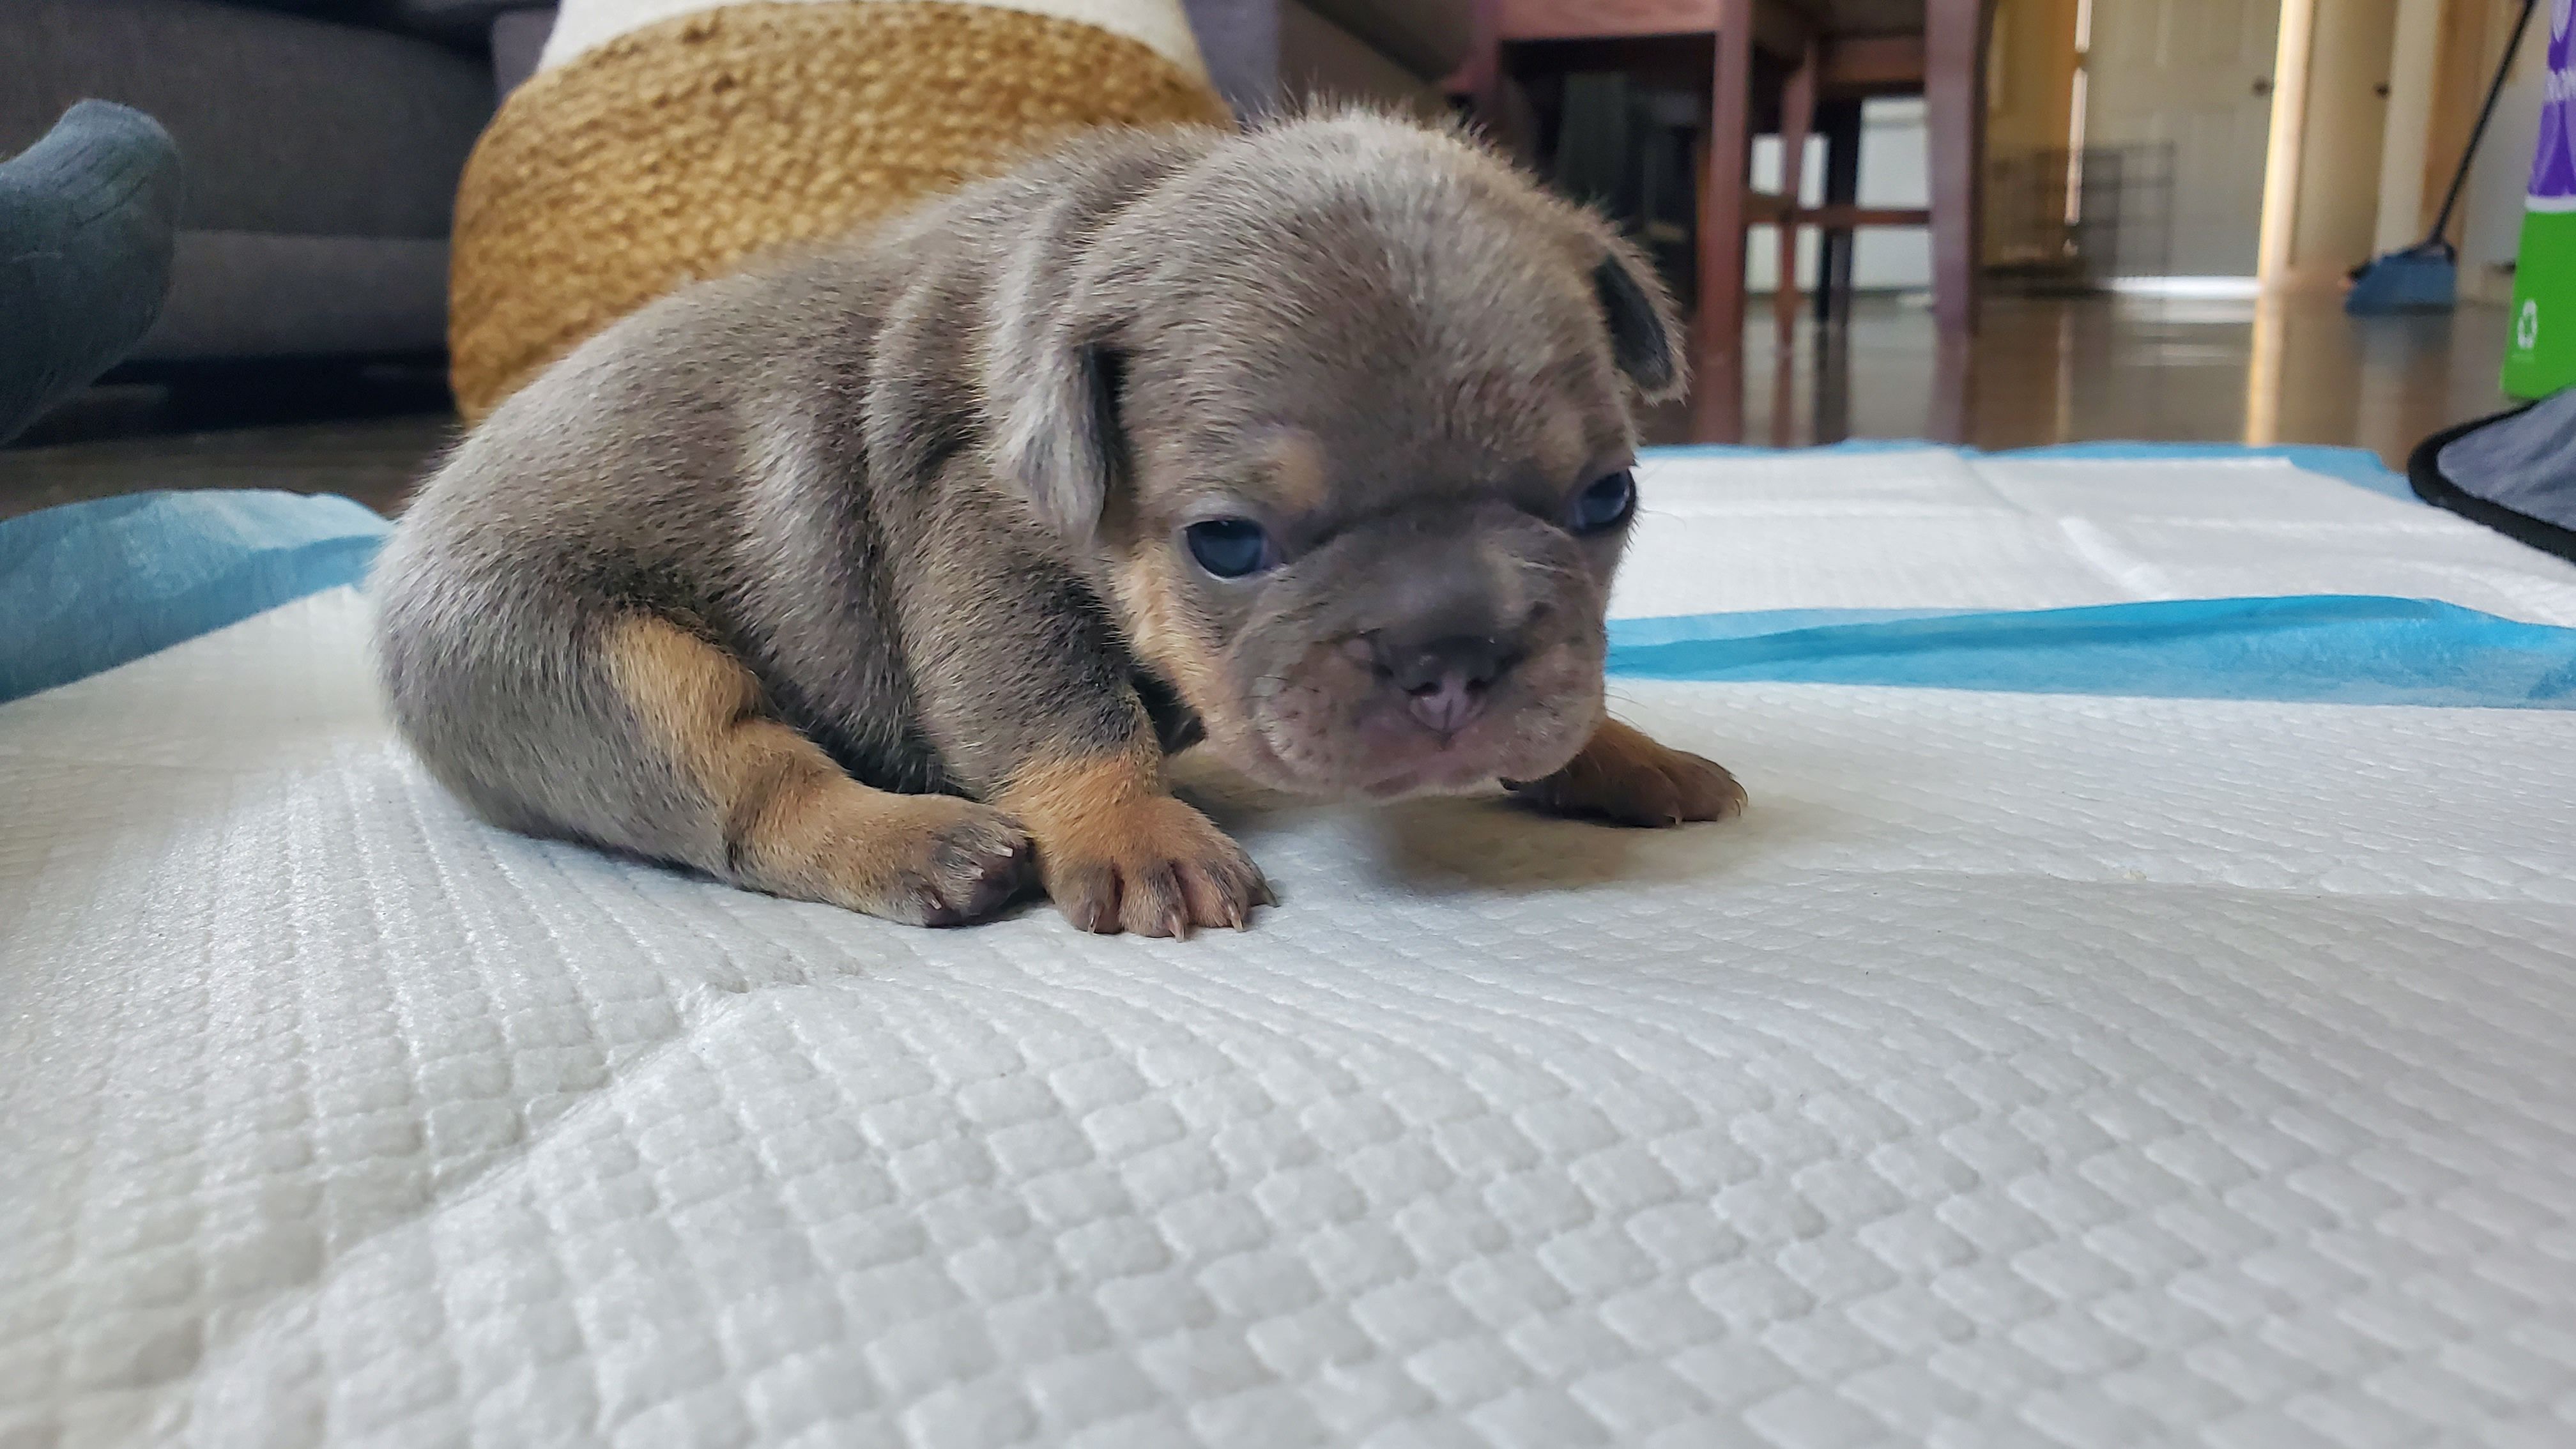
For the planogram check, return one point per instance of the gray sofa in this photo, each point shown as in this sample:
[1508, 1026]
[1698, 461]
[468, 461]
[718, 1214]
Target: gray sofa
[321, 144]
[322, 139]
[1264, 53]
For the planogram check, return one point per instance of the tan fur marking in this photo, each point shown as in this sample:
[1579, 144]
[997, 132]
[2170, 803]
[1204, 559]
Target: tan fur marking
[1564, 445]
[1093, 795]
[1625, 776]
[1165, 634]
[1621, 748]
[1119, 853]
[698, 704]
[1296, 473]
[782, 816]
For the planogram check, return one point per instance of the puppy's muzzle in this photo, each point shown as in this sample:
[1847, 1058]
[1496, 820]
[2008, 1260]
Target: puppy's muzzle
[1433, 652]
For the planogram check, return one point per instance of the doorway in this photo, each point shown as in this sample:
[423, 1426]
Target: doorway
[2192, 80]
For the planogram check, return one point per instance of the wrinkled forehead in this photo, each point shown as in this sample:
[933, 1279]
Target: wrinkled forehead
[1441, 393]
[1351, 440]
[1436, 429]
[1412, 317]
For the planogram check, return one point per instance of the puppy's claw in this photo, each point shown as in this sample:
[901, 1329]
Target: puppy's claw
[1708, 792]
[1153, 905]
[925, 860]
[972, 881]
[1215, 901]
[1151, 867]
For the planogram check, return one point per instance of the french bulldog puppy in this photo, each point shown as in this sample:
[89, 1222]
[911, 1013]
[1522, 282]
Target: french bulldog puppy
[889, 574]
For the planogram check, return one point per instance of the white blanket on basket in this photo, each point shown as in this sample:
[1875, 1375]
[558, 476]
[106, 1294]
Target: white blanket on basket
[2023, 1069]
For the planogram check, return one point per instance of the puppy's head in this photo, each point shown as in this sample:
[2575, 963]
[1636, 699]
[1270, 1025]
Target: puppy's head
[1342, 410]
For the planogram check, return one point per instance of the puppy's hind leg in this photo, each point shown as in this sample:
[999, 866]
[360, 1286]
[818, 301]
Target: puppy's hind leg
[772, 812]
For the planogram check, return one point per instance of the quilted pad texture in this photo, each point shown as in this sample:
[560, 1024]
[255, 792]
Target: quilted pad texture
[2023, 1070]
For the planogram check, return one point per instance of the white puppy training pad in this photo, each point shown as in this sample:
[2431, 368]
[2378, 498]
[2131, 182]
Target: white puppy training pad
[2024, 1069]
[1927, 528]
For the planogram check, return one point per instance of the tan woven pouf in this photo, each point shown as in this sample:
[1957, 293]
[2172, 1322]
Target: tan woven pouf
[663, 141]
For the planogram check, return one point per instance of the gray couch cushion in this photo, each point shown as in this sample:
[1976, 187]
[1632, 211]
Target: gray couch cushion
[1263, 52]
[1320, 58]
[1427, 37]
[243, 294]
[285, 124]
[463, 23]
[1240, 41]
[466, 21]
[518, 42]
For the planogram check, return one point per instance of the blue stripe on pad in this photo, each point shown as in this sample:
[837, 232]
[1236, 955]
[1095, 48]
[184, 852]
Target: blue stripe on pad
[2319, 648]
[88, 586]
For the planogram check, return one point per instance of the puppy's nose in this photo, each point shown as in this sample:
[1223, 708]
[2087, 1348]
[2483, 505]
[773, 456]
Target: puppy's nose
[1445, 681]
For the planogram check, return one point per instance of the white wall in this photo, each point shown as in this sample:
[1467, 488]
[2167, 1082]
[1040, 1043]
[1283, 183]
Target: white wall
[1894, 171]
[2502, 174]
[2411, 59]
[2342, 145]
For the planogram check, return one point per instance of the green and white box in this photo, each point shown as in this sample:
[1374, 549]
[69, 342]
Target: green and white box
[2540, 357]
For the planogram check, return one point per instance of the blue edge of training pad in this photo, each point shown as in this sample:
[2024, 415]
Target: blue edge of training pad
[89, 586]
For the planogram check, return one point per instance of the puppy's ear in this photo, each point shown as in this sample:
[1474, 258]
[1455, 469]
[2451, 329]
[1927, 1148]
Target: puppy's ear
[1052, 374]
[1059, 437]
[1644, 338]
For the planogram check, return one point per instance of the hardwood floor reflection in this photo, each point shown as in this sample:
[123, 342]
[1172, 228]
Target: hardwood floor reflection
[376, 461]
[2052, 370]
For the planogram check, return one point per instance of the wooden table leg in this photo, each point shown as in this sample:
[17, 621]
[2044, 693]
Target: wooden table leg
[1797, 114]
[1718, 336]
[1954, 58]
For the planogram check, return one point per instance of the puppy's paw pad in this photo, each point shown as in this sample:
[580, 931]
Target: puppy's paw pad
[1154, 867]
[1640, 783]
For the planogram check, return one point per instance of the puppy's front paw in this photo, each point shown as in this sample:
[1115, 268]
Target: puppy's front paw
[924, 860]
[1628, 779]
[1151, 865]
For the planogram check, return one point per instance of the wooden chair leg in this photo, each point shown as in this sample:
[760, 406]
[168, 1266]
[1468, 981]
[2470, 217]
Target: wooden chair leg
[1718, 340]
[1784, 401]
[1831, 412]
[1717, 377]
[1954, 57]
[1797, 116]
[1840, 121]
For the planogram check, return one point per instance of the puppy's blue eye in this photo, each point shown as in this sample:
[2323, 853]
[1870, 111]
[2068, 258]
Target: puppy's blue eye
[1230, 547]
[1605, 504]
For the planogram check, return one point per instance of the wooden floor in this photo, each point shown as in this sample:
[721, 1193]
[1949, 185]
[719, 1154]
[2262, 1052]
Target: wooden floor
[2043, 371]
[2293, 370]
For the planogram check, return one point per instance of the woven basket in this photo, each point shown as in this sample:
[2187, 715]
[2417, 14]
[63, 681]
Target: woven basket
[676, 150]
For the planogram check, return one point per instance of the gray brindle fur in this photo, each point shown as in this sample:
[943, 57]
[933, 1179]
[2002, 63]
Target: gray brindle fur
[865, 576]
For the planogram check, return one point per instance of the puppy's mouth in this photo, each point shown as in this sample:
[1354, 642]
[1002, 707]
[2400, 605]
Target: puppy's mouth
[1329, 726]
